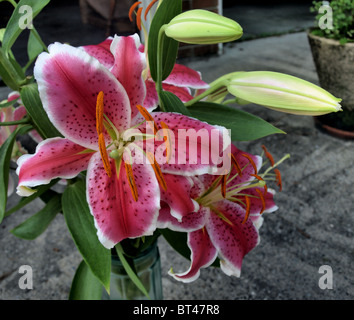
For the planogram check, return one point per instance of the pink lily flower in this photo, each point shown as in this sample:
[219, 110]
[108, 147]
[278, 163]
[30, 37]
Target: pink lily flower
[95, 112]
[229, 216]
[180, 82]
[10, 114]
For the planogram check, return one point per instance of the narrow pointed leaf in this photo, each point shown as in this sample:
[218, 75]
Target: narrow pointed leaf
[167, 10]
[34, 47]
[8, 72]
[172, 103]
[38, 223]
[243, 125]
[81, 226]
[85, 285]
[129, 270]
[32, 102]
[18, 20]
[5, 157]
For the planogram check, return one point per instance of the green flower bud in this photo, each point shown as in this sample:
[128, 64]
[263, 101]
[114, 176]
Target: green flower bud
[282, 92]
[203, 27]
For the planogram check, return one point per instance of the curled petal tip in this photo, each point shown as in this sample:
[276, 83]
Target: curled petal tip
[24, 191]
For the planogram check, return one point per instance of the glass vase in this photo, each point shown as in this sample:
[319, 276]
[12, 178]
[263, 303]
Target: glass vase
[148, 267]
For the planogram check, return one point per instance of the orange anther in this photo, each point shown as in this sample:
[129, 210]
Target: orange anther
[148, 117]
[104, 156]
[278, 177]
[262, 199]
[167, 139]
[132, 8]
[236, 165]
[223, 185]
[265, 189]
[138, 18]
[268, 155]
[257, 177]
[131, 180]
[157, 170]
[99, 112]
[251, 162]
[149, 7]
[248, 209]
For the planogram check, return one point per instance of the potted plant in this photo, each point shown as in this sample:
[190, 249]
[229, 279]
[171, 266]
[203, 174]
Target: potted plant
[332, 46]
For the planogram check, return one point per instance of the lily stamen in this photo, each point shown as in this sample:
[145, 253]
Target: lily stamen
[132, 8]
[99, 112]
[131, 180]
[257, 177]
[268, 155]
[223, 185]
[278, 179]
[138, 18]
[262, 199]
[251, 162]
[157, 170]
[167, 139]
[99, 127]
[149, 7]
[104, 156]
[147, 116]
[248, 209]
[236, 165]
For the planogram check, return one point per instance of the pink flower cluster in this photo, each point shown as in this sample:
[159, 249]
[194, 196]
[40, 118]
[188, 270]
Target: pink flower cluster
[98, 94]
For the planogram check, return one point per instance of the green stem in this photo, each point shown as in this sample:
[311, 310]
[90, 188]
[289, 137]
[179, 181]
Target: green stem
[14, 123]
[229, 101]
[12, 2]
[129, 268]
[159, 64]
[39, 39]
[214, 86]
[8, 104]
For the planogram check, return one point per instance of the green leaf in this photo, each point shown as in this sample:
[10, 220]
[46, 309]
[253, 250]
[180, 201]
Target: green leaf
[167, 10]
[5, 157]
[85, 285]
[32, 102]
[243, 125]
[81, 226]
[13, 28]
[171, 103]
[2, 32]
[38, 223]
[132, 275]
[178, 241]
[8, 72]
[34, 47]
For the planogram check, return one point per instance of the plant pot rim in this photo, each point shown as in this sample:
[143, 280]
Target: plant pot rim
[339, 133]
[328, 40]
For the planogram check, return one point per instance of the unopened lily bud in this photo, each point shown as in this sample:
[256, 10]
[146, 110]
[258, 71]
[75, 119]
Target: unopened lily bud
[203, 27]
[282, 92]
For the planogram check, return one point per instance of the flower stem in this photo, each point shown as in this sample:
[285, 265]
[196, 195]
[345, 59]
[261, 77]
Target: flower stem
[39, 39]
[160, 41]
[214, 86]
[15, 123]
